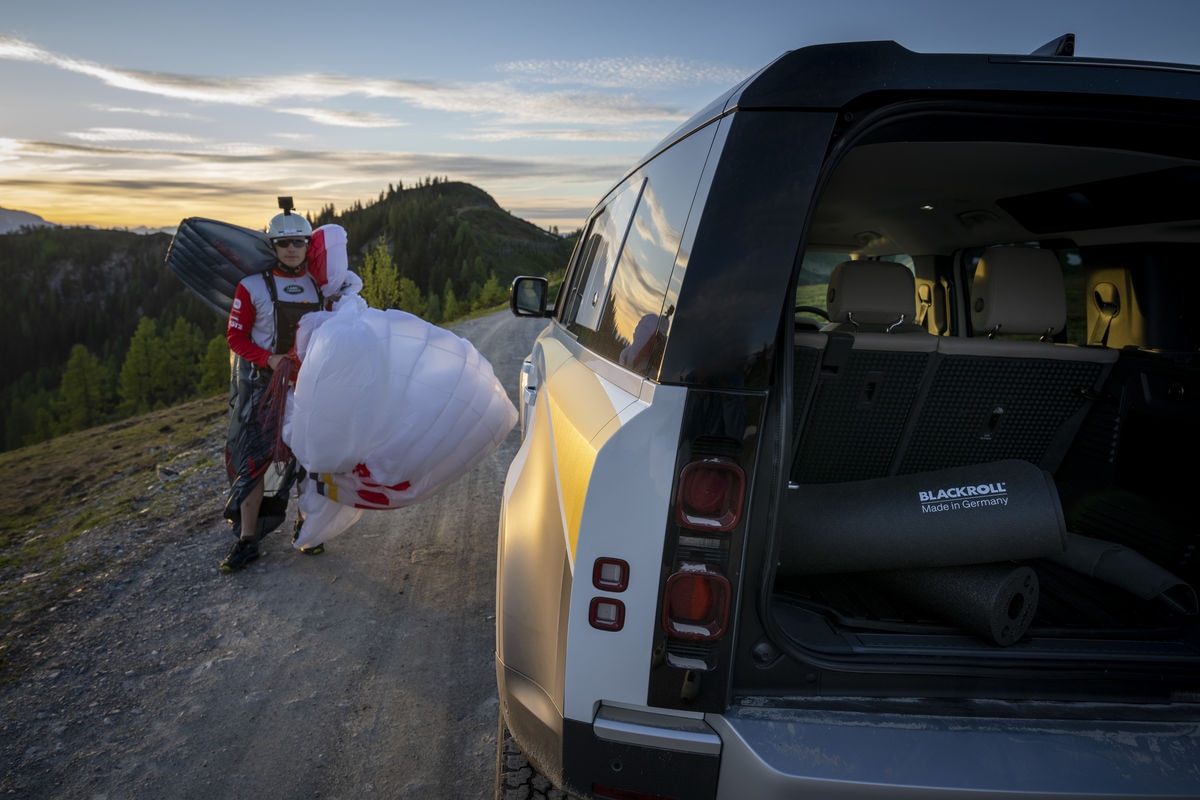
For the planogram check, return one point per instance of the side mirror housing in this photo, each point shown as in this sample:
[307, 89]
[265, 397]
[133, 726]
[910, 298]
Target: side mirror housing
[527, 296]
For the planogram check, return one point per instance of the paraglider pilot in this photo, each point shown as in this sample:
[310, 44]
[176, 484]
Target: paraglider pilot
[261, 334]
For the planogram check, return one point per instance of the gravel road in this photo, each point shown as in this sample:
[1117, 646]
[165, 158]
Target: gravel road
[363, 672]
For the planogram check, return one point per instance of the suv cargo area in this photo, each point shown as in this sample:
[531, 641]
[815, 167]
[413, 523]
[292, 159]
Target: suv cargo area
[903, 564]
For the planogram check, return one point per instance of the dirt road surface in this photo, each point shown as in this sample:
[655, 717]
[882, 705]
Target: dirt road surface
[363, 672]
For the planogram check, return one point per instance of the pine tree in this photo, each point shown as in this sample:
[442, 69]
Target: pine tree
[410, 297]
[450, 309]
[137, 381]
[43, 425]
[176, 372]
[85, 394]
[492, 293]
[215, 367]
[27, 399]
[433, 308]
[381, 278]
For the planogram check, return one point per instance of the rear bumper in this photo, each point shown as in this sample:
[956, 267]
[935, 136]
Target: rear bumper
[656, 754]
[671, 756]
[789, 754]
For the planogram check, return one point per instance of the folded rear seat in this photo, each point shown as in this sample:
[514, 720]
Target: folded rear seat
[990, 398]
[858, 379]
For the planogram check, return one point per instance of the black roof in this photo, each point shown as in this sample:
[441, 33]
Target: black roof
[831, 76]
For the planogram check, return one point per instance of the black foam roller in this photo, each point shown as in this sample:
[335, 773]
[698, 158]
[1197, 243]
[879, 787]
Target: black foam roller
[979, 514]
[995, 602]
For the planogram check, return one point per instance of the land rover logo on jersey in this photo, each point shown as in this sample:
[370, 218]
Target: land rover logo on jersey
[292, 288]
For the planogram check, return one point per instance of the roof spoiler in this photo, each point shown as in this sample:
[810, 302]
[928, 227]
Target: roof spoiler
[1062, 46]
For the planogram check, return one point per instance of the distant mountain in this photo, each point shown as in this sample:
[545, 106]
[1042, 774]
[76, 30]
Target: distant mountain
[142, 230]
[11, 220]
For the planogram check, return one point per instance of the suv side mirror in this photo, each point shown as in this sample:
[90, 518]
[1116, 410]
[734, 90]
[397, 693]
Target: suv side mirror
[527, 296]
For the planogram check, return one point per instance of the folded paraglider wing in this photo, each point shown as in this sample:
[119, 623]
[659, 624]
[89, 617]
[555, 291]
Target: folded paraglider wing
[211, 257]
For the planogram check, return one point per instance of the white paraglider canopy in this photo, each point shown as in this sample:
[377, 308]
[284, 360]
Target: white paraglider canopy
[387, 408]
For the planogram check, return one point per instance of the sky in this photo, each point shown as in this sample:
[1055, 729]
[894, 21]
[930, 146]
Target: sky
[140, 113]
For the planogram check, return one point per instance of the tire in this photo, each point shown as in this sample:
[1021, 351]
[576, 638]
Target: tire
[516, 778]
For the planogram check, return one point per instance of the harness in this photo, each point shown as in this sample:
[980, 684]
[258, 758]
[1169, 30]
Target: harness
[288, 314]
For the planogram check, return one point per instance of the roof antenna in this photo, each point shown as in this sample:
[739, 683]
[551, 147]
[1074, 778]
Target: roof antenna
[1062, 46]
[286, 204]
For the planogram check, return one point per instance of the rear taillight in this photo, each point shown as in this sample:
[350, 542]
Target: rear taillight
[710, 494]
[696, 603]
[700, 590]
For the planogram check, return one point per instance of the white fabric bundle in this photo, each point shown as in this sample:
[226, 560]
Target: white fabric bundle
[387, 409]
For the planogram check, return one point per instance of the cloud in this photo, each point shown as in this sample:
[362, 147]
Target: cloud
[345, 119]
[626, 73]
[142, 111]
[162, 188]
[234, 162]
[495, 100]
[559, 135]
[129, 135]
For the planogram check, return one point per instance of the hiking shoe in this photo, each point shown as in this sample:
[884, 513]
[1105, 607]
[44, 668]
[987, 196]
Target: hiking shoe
[242, 553]
[311, 550]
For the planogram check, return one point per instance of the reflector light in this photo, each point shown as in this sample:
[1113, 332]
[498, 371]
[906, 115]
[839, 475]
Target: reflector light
[710, 494]
[696, 603]
[610, 574]
[606, 614]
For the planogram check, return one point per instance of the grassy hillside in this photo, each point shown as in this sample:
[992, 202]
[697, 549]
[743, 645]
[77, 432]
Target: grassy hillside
[63, 499]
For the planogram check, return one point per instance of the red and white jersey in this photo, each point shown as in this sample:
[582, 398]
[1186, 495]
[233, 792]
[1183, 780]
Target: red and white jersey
[251, 331]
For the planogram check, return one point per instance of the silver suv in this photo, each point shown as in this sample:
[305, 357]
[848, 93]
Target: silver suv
[854, 452]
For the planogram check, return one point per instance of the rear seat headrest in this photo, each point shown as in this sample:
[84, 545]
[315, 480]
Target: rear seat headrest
[1018, 290]
[871, 293]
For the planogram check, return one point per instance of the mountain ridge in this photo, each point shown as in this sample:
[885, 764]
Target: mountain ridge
[12, 219]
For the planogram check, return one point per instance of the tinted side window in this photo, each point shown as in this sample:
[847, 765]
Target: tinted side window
[632, 327]
[585, 299]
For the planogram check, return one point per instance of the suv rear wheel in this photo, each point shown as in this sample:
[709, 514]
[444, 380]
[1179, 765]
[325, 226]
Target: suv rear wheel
[516, 778]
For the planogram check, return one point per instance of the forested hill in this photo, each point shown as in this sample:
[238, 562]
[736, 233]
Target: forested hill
[102, 289]
[445, 231]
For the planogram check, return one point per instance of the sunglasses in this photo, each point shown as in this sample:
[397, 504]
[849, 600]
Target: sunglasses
[282, 243]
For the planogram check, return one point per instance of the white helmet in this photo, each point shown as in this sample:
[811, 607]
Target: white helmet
[287, 224]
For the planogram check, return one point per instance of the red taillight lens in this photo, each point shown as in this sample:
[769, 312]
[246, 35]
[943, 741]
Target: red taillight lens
[696, 605]
[710, 494]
